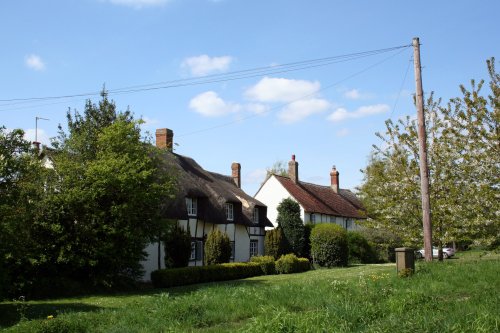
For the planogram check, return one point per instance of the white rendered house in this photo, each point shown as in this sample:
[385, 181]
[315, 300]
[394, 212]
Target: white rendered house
[206, 201]
[318, 203]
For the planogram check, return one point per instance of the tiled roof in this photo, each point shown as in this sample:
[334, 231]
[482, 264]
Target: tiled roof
[212, 190]
[323, 200]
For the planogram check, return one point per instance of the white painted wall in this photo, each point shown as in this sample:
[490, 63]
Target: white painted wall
[271, 194]
[151, 263]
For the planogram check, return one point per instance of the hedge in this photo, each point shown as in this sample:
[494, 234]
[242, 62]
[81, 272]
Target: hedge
[165, 278]
[329, 245]
[264, 265]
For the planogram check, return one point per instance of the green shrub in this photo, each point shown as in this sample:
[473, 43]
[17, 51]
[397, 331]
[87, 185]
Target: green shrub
[266, 264]
[291, 223]
[384, 243]
[307, 240]
[217, 248]
[304, 264]
[275, 243]
[329, 246]
[177, 247]
[287, 264]
[360, 250]
[166, 278]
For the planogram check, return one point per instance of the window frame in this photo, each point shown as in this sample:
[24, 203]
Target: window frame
[229, 211]
[192, 206]
[255, 215]
[255, 247]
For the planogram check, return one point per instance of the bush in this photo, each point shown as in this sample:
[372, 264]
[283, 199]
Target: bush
[307, 240]
[384, 243]
[166, 278]
[266, 264]
[329, 245]
[293, 226]
[275, 243]
[177, 247]
[217, 248]
[360, 250]
[287, 264]
[304, 264]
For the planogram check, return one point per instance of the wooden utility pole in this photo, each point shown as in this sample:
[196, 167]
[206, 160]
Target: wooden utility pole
[422, 149]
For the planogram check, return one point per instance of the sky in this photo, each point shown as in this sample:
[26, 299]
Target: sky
[192, 64]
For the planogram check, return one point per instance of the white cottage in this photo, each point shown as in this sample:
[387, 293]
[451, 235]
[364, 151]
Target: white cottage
[205, 201]
[318, 203]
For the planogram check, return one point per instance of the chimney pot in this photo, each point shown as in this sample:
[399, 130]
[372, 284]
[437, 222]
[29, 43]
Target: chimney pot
[236, 173]
[334, 179]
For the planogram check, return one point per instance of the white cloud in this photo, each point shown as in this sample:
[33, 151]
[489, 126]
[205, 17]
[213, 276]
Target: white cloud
[301, 109]
[42, 136]
[281, 90]
[34, 62]
[209, 104]
[355, 94]
[204, 65]
[342, 114]
[138, 4]
[256, 176]
[148, 122]
[343, 132]
[257, 108]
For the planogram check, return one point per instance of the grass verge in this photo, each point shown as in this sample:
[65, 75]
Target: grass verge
[458, 295]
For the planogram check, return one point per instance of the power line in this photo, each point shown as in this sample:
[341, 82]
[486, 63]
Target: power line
[291, 102]
[236, 75]
[401, 87]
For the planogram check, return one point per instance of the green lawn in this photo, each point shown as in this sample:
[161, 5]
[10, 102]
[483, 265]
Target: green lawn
[458, 295]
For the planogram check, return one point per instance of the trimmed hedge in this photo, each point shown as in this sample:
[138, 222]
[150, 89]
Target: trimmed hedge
[289, 263]
[165, 278]
[360, 250]
[266, 264]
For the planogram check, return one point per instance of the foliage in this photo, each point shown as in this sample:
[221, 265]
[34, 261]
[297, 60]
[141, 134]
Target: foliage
[383, 242]
[291, 223]
[266, 264]
[217, 248]
[464, 163]
[177, 247]
[287, 264]
[279, 168]
[307, 240]
[88, 218]
[275, 243]
[360, 250]
[21, 188]
[166, 278]
[329, 245]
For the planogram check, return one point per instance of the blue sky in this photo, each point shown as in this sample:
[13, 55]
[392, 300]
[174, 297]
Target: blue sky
[325, 115]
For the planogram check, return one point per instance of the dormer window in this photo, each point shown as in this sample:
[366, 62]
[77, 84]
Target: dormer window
[192, 206]
[255, 216]
[229, 211]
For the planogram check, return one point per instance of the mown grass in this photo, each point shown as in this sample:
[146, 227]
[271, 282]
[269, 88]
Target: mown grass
[458, 295]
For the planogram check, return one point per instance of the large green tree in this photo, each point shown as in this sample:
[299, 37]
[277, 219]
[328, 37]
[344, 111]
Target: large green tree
[464, 161]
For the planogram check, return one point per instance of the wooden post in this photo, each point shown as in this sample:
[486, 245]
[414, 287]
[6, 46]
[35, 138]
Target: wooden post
[422, 149]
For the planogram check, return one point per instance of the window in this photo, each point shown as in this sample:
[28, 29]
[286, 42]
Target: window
[192, 206]
[313, 218]
[254, 247]
[232, 250]
[229, 211]
[255, 216]
[196, 250]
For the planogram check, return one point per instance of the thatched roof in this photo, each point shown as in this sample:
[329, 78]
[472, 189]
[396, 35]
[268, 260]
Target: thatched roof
[212, 191]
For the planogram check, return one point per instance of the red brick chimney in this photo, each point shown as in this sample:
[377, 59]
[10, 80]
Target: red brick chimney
[334, 179]
[293, 170]
[236, 173]
[164, 138]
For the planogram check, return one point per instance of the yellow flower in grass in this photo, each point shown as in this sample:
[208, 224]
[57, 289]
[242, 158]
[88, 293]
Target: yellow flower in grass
[50, 317]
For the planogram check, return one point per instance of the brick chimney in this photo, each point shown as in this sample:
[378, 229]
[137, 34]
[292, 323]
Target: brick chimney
[164, 138]
[293, 170]
[236, 173]
[334, 179]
